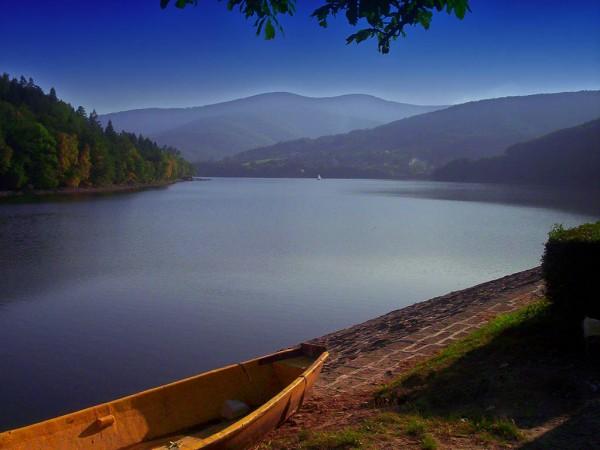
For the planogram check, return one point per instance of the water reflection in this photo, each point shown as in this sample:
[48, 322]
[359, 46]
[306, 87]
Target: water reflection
[566, 199]
[115, 294]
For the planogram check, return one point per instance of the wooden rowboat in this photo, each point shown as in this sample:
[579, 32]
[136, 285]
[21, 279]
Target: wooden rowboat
[187, 414]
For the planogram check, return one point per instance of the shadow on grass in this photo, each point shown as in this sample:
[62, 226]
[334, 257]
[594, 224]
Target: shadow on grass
[525, 370]
[580, 431]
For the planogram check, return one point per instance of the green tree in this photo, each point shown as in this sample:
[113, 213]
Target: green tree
[102, 172]
[6, 154]
[68, 155]
[15, 177]
[110, 132]
[384, 20]
[84, 165]
[45, 143]
[38, 153]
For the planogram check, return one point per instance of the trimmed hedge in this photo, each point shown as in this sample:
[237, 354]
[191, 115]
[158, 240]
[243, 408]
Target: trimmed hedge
[571, 268]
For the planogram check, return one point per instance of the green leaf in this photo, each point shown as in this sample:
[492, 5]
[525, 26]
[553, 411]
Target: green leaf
[321, 14]
[352, 13]
[269, 30]
[461, 8]
[360, 36]
[386, 19]
[259, 25]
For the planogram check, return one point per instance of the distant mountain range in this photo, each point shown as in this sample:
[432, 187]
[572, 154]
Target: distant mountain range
[416, 146]
[568, 157]
[223, 129]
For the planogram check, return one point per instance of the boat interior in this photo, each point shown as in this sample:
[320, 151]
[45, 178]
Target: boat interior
[253, 385]
[178, 415]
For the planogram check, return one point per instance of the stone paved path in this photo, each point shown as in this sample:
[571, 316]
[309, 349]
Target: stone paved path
[368, 354]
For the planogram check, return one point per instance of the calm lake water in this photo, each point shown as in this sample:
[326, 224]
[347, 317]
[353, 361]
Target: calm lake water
[105, 296]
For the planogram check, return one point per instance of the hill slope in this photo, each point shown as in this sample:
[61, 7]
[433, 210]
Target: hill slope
[46, 144]
[222, 129]
[566, 157]
[417, 145]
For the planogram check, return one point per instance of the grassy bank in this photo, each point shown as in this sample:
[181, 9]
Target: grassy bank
[521, 380]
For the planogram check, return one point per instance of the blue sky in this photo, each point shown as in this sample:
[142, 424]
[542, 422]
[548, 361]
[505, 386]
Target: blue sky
[113, 55]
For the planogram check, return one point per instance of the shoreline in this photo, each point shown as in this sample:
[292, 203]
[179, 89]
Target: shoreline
[383, 330]
[370, 354]
[99, 190]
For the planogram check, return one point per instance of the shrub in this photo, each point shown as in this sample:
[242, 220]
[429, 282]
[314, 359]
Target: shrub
[428, 442]
[415, 427]
[571, 268]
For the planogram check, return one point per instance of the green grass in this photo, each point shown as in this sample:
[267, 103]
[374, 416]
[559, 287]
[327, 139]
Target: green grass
[485, 335]
[415, 427]
[520, 370]
[385, 426]
[429, 442]
[505, 429]
[463, 382]
[344, 439]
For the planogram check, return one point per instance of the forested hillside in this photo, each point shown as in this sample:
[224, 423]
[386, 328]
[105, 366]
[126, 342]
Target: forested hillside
[416, 146]
[215, 131]
[45, 143]
[569, 157]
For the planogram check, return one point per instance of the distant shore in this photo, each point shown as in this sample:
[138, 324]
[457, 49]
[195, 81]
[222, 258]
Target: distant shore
[87, 190]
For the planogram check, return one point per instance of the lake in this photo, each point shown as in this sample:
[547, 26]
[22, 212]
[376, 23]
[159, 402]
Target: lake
[105, 296]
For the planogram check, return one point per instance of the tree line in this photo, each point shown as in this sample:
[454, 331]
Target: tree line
[45, 143]
[567, 157]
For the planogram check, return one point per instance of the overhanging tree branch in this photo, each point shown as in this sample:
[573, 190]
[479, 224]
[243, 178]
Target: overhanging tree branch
[387, 19]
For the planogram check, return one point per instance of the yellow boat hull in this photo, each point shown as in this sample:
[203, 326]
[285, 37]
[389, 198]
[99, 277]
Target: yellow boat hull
[186, 414]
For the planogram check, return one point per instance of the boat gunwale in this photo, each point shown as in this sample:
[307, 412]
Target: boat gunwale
[265, 407]
[239, 424]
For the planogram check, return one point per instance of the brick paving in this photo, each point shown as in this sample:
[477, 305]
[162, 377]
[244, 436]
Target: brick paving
[371, 353]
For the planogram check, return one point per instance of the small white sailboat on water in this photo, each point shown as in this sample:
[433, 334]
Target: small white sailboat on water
[319, 177]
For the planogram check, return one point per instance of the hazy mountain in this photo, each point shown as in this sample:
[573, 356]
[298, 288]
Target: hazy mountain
[222, 129]
[415, 146]
[565, 157]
